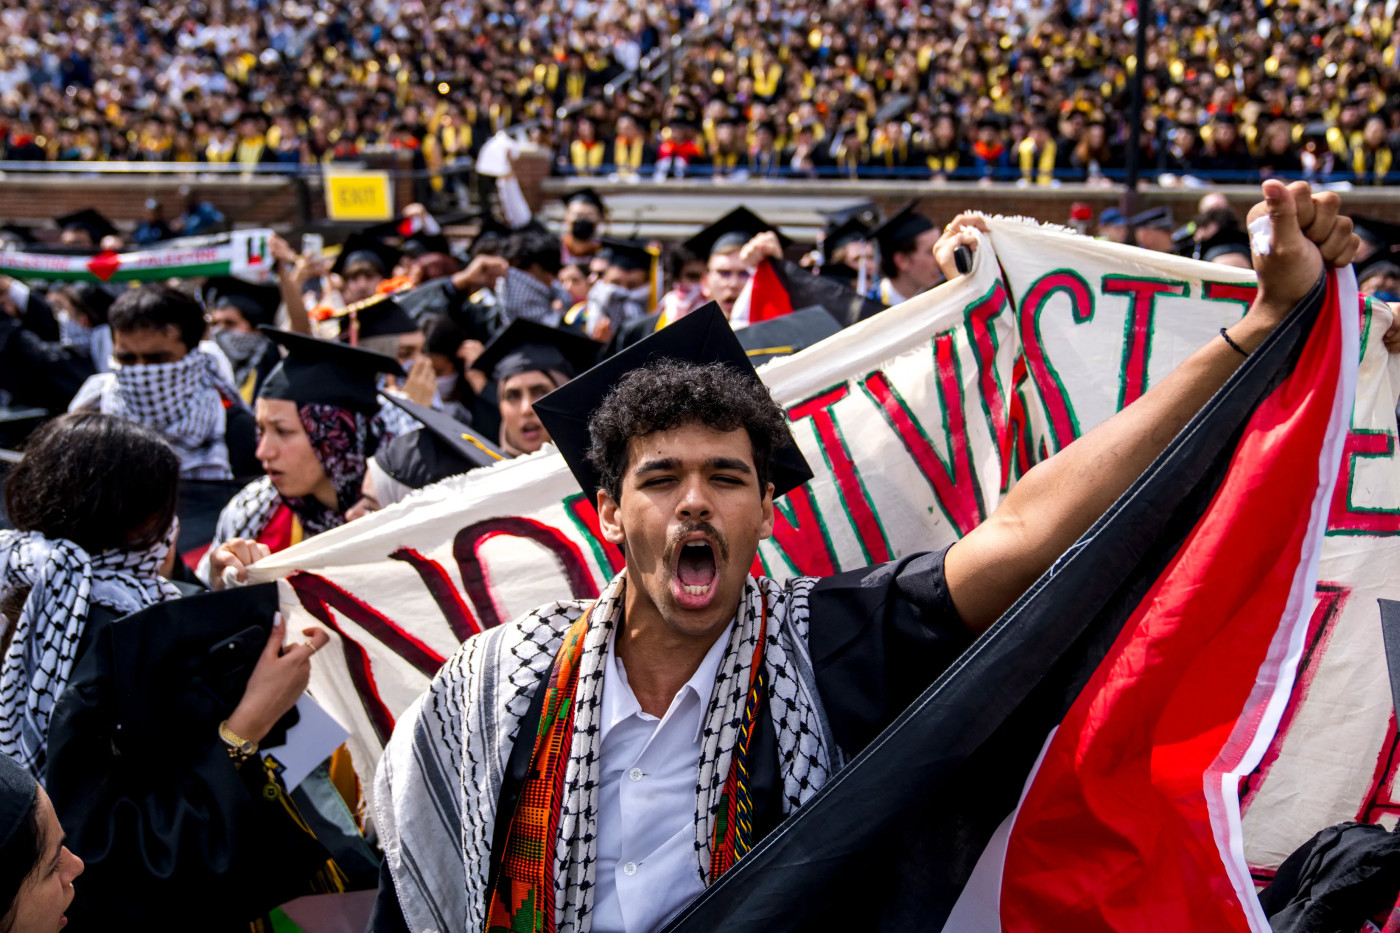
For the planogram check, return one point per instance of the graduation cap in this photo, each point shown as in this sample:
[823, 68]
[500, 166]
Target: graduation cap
[1154, 218]
[526, 346]
[1112, 217]
[1224, 243]
[1379, 233]
[363, 247]
[897, 234]
[788, 334]
[325, 372]
[19, 233]
[864, 211]
[89, 221]
[588, 196]
[257, 303]
[703, 336]
[412, 242]
[378, 316]
[627, 254]
[731, 231]
[443, 447]
[843, 234]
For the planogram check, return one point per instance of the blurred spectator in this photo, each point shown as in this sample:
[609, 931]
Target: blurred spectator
[862, 87]
[153, 227]
[200, 217]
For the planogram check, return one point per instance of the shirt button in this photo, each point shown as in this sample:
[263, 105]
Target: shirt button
[630, 868]
[635, 774]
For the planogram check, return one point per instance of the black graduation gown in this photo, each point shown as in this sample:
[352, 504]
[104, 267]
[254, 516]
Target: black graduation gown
[172, 834]
[37, 371]
[634, 331]
[878, 636]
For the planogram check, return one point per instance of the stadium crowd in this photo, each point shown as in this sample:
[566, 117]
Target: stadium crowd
[1032, 92]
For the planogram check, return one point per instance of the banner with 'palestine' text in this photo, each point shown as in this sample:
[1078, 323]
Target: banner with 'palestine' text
[242, 253]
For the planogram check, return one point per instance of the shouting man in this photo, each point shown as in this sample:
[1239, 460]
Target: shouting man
[596, 764]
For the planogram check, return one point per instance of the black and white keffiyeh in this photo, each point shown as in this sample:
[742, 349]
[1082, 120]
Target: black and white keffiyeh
[441, 773]
[64, 582]
[183, 400]
[521, 295]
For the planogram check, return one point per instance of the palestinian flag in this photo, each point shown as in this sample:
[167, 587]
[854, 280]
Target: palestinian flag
[1078, 768]
[777, 288]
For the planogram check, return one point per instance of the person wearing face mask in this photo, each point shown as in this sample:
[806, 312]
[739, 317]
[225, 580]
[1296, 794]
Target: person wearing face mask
[165, 378]
[363, 264]
[525, 363]
[584, 216]
[235, 310]
[81, 309]
[447, 348]
[36, 368]
[625, 292]
[530, 289]
[318, 423]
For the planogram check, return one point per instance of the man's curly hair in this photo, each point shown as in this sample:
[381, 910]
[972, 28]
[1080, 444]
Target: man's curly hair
[667, 394]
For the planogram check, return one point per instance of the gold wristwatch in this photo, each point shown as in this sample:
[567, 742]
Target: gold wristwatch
[239, 748]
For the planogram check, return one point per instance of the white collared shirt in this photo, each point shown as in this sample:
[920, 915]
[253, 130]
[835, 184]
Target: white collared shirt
[646, 869]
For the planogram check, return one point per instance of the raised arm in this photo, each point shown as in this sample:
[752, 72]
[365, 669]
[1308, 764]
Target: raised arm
[1059, 499]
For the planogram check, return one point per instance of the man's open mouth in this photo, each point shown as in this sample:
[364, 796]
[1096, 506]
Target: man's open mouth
[696, 568]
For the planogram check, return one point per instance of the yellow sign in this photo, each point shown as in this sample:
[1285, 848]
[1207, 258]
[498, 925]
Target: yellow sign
[359, 196]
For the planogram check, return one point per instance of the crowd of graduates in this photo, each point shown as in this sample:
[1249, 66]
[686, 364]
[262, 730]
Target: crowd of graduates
[192, 428]
[1035, 93]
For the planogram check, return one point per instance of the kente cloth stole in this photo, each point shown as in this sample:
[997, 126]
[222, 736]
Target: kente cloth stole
[523, 898]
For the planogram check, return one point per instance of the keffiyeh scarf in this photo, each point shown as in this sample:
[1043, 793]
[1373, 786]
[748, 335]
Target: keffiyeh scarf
[343, 442]
[521, 295]
[441, 774]
[184, 401]
[65, 582]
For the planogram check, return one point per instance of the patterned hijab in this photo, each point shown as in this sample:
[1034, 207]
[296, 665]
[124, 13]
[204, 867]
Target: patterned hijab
[343, 442]
[64, 582]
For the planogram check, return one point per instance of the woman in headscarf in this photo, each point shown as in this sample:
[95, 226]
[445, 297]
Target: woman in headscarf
[318, 423]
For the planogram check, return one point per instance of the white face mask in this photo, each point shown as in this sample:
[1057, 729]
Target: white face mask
[446, 385]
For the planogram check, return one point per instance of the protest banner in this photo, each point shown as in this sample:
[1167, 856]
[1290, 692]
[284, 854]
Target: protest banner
[242, 253]
[915, 422]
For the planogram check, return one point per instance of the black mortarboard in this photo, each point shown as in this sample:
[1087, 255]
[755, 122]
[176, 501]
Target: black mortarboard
[89, 220]
[627, 254]
[526, 346]
[17, 792]
[443, 447]
[378, 316]
[788, 334]
[733, 229]
[1158, 218]
[703, 336]
[21, 233]
[257, 303]
[360, 247]
[1224, 243]
[897, 234]
[852, 231]
[414, 242]
[324, 372]
[1377, 232]
[586, 194]
[864, 211]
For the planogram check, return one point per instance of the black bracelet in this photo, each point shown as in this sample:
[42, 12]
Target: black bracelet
[1232, 343]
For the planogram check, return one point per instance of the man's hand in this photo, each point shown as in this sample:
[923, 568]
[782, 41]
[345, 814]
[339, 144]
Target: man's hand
[1306, 232]
[481, 272]
[962, 231]
[764, 246]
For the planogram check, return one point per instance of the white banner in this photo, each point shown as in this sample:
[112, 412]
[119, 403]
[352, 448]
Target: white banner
[915, 422]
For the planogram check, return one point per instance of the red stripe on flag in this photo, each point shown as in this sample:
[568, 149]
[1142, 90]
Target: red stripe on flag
[767, 297]
[1115, 832]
